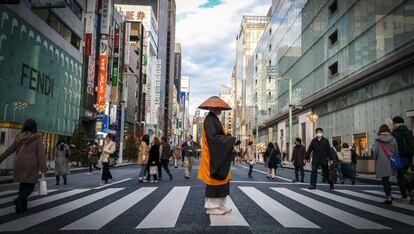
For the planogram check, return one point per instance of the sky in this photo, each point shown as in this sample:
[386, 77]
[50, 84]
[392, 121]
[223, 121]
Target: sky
[207, 32]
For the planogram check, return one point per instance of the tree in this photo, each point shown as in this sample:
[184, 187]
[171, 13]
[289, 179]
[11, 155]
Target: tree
[79, 146]
[131, 149]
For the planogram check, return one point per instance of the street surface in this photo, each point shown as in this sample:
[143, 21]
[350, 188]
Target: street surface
[259, 205]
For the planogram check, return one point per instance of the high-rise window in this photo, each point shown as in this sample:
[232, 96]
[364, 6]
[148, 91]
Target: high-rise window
[333, 38]
[333, 7]
[333, 69]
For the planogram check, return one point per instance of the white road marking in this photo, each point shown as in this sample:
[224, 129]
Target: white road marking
[41, 201]
[116, 182]
[265, 173]
[8, 192]
[291, 183]
[40, 217]
[382, 193]
[100, 218]
[166, 213]
[332, 212]
[35, 193]
[366, 207]
[234, 218]
[375, 199]
[286, 217]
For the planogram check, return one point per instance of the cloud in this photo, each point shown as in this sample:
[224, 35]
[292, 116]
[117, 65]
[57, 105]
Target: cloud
[207, 32]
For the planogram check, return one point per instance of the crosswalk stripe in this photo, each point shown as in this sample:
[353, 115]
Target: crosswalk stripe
[8, 192]
[234, 218]
[40, 217]
[366, 207]
[265, 173]
[100, 218]
[116, 182]
[10, 199]
[332, 212]
[41, 201]
[166, 213]
[375, 199]
[279, 212]
[381, 193]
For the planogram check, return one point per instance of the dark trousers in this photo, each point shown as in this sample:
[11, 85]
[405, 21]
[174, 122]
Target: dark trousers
[148, 172]
[164, 164]
[403, 183]
[64, 179]
[314, 174]
[250, 169]
[387, 185]
[106, 174]
[93, 165]
[299, 169]
[25, 189]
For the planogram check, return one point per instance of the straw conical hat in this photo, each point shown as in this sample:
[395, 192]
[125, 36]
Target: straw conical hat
[214, 102]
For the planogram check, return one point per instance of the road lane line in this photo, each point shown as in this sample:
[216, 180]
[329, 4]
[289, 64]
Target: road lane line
[8, 192]
[366, 207]
[381, 193]
[41, 201]
[265, 173]
[286, 217]
[332, 212]
[40, 217]
[234, 218]
[100, 218]
[375, 199]
[166, 213]
[36, 193]
[116, 182]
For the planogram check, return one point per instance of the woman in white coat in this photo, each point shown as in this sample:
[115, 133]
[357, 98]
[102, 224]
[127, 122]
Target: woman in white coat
[108, 150]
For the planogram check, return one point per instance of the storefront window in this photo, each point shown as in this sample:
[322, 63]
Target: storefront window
[361, 143]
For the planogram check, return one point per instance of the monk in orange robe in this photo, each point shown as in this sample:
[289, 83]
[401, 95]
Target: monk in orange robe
[216, 157]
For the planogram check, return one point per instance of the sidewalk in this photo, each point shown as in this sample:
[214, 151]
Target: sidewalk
[51, 173]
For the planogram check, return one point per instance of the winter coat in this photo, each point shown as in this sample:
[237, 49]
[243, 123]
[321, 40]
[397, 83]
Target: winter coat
[30, 157]
[154, 156]
[383, 163]
[165, 149]
[345, 156]
[62, 162]
[274, 158]
[320, 150]
[249, 157]
[298, 155]
[143, 153]
[108, 150]
[404, 138]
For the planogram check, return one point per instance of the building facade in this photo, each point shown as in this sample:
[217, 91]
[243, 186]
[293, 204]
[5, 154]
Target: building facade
[177, 70]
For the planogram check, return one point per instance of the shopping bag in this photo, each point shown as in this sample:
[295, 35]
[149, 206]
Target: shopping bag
[153, 170]
[42, 187]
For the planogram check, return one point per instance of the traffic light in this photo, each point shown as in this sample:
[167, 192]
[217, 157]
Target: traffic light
[16, 2]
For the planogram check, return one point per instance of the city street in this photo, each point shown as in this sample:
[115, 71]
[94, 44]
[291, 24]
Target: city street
[259, 205]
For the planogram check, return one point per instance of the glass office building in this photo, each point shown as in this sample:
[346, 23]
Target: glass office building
[351, 64]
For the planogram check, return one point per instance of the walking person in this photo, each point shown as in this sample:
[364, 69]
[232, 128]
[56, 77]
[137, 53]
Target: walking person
[216, 157]
[250, 157]
[275, 160]
[404, 138]
[165, 151]
[298, 159]
[62, 161]
[337, 159]
[354, 158]
[319, 148]
[176, 156]
[384, 142]
[30, 160]
[108, 149]
[153, 160]
[143, 155]
[345, 155]
[236, 152]
[93, 157]
[189, 151]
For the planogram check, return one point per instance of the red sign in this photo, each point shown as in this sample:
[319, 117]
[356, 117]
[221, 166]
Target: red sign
[102, 79]
[116, 42]
[88, 44]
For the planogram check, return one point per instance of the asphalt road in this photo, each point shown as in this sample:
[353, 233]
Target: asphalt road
[260, 205]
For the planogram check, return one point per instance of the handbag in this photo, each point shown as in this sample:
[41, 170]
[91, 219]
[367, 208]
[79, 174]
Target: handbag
[396, 162]
[42, 187]
[153, 170]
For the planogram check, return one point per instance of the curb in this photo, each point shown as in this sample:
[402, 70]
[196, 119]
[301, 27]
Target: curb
[72, 171]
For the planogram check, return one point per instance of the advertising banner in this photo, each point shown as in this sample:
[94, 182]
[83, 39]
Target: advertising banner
[88, 44]
[106, 16]
[116, 56]
[102, 80]
[90, 90]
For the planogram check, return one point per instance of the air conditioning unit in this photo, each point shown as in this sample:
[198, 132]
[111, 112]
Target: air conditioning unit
[37, 4]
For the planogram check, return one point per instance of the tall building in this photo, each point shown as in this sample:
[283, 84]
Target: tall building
[351, 69]
[177, 75]
[225, 95]
[250, 32]
[185, 105]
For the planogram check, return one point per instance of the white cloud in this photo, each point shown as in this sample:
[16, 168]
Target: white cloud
[208, 37]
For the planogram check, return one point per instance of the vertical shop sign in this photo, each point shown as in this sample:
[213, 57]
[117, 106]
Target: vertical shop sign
[116, 57]
[105, 16]
[102, 80]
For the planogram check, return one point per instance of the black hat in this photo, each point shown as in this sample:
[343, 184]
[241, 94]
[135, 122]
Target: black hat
[398, 120]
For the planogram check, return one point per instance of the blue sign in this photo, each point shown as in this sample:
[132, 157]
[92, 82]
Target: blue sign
[105, 124]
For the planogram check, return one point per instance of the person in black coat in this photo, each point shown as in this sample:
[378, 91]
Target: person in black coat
[298, 159]
[274, 158]
[320, 149]
[154, 159]
[404, 138]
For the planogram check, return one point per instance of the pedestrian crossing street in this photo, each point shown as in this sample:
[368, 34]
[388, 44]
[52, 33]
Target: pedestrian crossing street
[156, 207]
